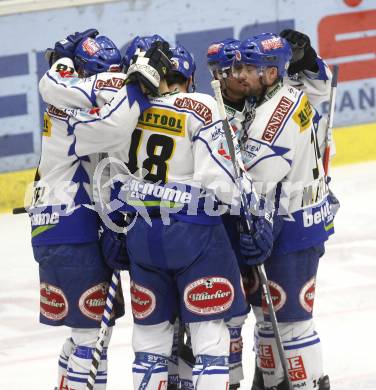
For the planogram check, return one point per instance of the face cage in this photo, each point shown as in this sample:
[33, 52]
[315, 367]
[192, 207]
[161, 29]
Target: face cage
[237, 68]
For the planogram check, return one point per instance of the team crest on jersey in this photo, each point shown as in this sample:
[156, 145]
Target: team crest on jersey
[307, 295]
[198, 108]
[143, 301]
[277, 118]
[163, 121]
[93, 301]
[296, 368]
[278, 297]
[207, 296]
[265, 354]
[304, 114]
[114, 82]
[53, 303]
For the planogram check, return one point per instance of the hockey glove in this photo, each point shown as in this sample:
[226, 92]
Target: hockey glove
[150, 67]
[257, 247]
[114, 248]
[67, 46]
[304, 56]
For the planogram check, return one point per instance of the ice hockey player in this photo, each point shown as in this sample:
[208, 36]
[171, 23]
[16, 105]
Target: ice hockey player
[281, 152]
[74, 277]
[174, 267]
[221, 56]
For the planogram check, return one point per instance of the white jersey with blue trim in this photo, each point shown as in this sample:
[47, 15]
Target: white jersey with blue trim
[64, 176]
[316, 85]
[179, 139]
[281, 153]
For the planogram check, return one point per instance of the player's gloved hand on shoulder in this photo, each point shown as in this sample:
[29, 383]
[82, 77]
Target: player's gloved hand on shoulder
[257, 246]
[67, 46]
[304, 56]
[114, 248]
[150, 67]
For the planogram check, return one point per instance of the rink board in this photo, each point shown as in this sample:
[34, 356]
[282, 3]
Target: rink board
[353, 144]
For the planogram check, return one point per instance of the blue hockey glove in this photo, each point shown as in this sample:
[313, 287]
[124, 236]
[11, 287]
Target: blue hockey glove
[257, 247]
[114, 248]
[67, 46]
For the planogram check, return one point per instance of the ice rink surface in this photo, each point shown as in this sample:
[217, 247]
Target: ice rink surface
[345, 307]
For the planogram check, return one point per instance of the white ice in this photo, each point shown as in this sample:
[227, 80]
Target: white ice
[345, 307]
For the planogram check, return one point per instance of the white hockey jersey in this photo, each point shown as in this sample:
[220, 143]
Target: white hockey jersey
[178, 147]
[64, 182]
[282, 155]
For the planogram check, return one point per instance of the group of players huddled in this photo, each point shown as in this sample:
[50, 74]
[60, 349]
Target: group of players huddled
[169, 211]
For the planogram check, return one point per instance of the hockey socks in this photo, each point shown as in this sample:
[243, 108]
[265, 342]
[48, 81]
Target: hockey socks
[211, 372]
[150, 371]
[63, 364]
[79, 367]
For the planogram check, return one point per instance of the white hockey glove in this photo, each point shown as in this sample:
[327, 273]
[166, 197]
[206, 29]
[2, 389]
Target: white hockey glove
[150, 67]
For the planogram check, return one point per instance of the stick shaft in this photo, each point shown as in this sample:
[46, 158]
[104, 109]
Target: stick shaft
[236, 161]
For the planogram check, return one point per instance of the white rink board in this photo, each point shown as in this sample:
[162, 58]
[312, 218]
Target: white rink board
[345, 308]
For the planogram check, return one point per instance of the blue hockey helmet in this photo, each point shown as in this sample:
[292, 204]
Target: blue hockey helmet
[137, 44]
[266, 50]
[96, 55]
[183, 61]
[222, 54]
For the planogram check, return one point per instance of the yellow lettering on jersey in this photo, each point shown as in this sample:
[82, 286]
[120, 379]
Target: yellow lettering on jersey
[47, 125]
[163, 121]
[303, 114]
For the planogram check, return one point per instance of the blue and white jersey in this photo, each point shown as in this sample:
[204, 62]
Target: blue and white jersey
[61, 209]
[282, 156]
[178, 141]
[316, 85]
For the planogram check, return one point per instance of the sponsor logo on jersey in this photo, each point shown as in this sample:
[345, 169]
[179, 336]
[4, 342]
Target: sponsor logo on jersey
[138, 189]
[47, 125]
[303, 114]
[314, 193]
[45, 219]
[114, 82]
[93, 301]
[265, 352]
[277, 118]
[198, 108]
[323, 215]
[90, 46]
[163, 121]
[307, 295]
[217, 133]
[278, 297]
[55, 112]
[206, 296]
[272, 43]
[143, 301]
[53, 303]
[296, 368]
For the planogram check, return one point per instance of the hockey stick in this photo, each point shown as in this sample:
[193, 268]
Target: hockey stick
[103, 330]
[329, 129]
[237, 163]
